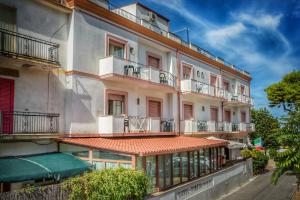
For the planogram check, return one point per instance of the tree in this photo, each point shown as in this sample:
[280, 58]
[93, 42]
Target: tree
[265, 126]
[286, 94]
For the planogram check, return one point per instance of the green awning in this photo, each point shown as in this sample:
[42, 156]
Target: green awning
[51, 165]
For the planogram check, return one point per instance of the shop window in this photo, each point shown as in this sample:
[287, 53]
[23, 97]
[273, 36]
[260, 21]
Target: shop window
[184, 159]
[151, 170]
[176, 168]
[97, 154]
[74, 150]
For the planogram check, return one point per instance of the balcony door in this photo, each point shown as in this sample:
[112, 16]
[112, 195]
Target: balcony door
[243, 117]
[214, 114]
[227, 117]
[7, 104]
[154, 108]
[116, 104]
[188, 111]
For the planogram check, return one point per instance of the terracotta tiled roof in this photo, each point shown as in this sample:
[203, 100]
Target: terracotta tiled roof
[146, 146]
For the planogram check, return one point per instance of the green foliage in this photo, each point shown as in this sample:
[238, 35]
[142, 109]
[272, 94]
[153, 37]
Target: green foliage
[286, 94]
[260, 160]
[265, 126]
[117, 184]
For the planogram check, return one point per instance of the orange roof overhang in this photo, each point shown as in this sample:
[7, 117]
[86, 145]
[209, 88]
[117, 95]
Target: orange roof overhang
[145, 146]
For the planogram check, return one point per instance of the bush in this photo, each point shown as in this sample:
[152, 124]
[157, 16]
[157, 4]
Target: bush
[117, 184]
[260, 160]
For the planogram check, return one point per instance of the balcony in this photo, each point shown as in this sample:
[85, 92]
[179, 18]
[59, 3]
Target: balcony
[135, 126]
[238, 99]
[244, 127]
[201, 88]
[28, 50]
[196, 126]
[114, 68]
[28, 123]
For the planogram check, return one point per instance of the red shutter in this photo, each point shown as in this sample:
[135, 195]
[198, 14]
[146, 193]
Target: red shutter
[7, 103]
[214, 114]
[243, 117]
[227, 116]
[154, 109]
[188, 111]
[153, 62]
[213, 80]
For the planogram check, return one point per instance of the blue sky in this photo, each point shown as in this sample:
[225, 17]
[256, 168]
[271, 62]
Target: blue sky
[262, 37]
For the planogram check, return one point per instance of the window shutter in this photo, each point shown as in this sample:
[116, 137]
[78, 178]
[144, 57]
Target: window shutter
[188, 111]
[214, 114]
[153, 62]
[154, 109]
[7, 103]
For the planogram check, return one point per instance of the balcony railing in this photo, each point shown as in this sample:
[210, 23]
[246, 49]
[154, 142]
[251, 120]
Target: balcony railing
[239, 98]
[28, 123]
[120, 66]
[201, 88]
[115, 9]
[19, 45]
[193, 126]
[109, 124]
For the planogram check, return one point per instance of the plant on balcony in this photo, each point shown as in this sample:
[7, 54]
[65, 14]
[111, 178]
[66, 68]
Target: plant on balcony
[108, 184]
[260, 160]
[265, 127]
[285, 94]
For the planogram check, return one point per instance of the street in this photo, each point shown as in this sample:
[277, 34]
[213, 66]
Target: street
[261, 189]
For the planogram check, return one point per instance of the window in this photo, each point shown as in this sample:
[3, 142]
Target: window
[226, 85]
[243, 117]
[115, 104]
[74, 150]
[116, 49]
[227, 116]
[151, 170]
[213, 80]
[109, 156]
[188, 111]
[153, 62]
[214, 114]
[242, 89]
[184, 159]
[186, 72]
[176, 168]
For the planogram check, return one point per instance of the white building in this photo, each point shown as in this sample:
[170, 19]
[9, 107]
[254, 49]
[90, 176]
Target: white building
[91, 70]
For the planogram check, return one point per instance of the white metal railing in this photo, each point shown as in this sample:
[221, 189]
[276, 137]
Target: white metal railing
[172, 36]
[243, 127]
[189, 85]
[115, 65]
[234, 97]
[109, 124]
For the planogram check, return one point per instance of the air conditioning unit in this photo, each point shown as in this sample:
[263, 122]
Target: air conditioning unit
[151, 17]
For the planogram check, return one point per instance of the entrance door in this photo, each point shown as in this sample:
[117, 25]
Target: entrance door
[7, 104]
[214, 114]
[227, 116]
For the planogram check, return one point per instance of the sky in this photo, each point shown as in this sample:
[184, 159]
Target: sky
[261, 37]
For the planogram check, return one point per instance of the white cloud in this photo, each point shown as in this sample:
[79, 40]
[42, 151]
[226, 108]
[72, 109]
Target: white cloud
[261, 20]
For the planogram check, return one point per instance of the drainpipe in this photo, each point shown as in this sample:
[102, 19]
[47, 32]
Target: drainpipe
[178, 90]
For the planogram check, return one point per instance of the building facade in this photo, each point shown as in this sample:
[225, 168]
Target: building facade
[79, 69]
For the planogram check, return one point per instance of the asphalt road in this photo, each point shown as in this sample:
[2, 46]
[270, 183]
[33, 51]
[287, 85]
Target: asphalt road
[261, 189]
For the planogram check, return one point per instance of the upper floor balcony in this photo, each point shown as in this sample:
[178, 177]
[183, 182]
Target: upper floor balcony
[27, 124]
[28, 51]
[198, 126]
[238, 99]
[110, 125]
[201, 88]
[126, 71]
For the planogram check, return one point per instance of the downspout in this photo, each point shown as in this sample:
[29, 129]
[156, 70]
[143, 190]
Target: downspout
[178, 90]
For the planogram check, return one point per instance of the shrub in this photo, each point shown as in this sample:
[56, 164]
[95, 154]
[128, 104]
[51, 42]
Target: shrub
[260, 160]
[118, 184]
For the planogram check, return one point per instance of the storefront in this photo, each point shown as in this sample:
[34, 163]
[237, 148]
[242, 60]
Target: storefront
[167, 161]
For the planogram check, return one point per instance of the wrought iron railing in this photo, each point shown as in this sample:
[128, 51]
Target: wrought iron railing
[20, 45]
[28, 122]
[117, 10]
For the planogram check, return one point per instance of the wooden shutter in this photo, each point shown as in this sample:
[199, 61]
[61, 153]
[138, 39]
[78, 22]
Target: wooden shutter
[7, 103]
[214, 114]
[243, 117]
[227, 116]
[115, 97]
[213, 80]
[153, 62]
[188, 111]
[154, 108]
